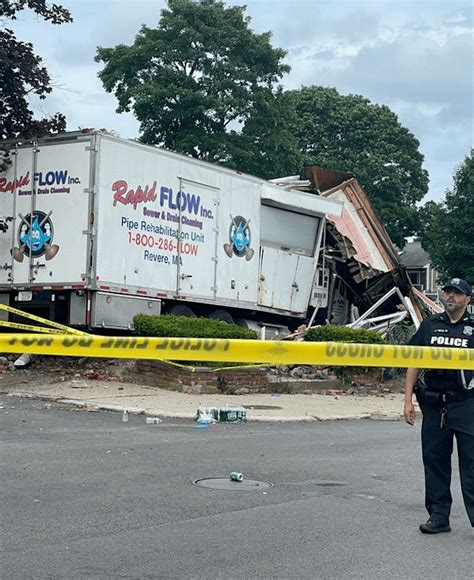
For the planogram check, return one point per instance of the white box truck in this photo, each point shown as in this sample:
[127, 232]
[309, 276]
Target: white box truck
[101, 228]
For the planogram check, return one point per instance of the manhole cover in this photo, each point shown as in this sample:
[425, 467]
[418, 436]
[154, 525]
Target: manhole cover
[262, 407]
[228, 484]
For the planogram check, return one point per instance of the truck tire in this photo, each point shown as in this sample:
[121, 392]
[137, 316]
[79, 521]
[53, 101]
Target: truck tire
[181, 310]
[222, 315]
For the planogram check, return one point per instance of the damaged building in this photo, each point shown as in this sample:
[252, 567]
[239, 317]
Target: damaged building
[361, 280]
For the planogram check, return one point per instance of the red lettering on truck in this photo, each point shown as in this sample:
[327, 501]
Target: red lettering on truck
[10, 186]
[126, 196]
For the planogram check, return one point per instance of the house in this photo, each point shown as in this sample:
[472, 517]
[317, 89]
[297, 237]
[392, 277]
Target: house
[420, 269]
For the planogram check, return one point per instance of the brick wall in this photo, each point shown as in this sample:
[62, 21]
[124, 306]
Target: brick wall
[242, 381]
[202, 380]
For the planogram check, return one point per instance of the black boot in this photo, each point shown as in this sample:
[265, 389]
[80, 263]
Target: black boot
[434, 527]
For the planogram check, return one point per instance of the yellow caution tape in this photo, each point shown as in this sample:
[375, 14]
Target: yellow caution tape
[30, 327]
[213, 368]
[64, 329]
[238, 367]
[187, 367]
[250, 351]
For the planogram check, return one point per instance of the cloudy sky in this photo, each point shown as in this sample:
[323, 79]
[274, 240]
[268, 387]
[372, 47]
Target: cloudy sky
[415, 56]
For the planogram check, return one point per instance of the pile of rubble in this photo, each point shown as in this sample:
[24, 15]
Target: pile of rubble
[6, 364]
[308, 372]
[48, 369]
[333, 381]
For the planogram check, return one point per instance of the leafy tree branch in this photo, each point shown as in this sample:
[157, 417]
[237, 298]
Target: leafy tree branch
[22, 73]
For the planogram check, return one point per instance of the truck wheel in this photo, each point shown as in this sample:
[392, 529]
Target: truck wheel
[181, 310]
[222, 315]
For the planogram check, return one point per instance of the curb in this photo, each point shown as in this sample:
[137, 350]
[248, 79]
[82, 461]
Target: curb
[147, 412]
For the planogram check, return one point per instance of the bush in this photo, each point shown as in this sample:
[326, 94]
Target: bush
[188, 327]
[332, 333]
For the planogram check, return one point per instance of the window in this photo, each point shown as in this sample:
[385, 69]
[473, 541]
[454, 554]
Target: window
[418, 278]
[414, 277]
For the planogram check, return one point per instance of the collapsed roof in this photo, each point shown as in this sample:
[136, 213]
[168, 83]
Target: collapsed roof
[357, 249]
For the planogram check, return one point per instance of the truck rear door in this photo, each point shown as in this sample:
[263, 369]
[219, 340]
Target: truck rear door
[44, 195]
[289, 241]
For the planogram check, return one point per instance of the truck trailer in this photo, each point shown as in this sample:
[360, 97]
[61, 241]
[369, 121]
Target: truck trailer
[97, 228]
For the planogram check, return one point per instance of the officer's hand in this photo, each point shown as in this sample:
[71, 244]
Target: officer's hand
[409, 412]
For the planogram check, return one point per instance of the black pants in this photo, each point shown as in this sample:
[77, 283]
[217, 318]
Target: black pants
[437, 445]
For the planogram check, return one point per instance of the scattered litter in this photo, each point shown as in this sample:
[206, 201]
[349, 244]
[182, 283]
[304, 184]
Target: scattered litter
[276, 394]
[205, 419]
[153, 420]
[236, 476]
[228, 414]
[206, 415]
[23, 361]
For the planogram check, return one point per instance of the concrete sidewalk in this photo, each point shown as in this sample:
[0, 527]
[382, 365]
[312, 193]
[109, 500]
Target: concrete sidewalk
[140, 399]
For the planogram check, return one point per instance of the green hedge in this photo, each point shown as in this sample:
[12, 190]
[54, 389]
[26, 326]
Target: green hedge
[332, 333]
[188, 327]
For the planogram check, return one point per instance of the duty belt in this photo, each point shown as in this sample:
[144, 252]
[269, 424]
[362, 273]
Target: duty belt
[435, 398]
[449, 396]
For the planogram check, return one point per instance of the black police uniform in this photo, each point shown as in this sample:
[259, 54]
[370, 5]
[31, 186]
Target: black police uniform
[447, 402]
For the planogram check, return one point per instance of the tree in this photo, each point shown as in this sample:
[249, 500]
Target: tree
[22, 73]
[266, 146]
[352, 134]
[448, 231]
[193, 81]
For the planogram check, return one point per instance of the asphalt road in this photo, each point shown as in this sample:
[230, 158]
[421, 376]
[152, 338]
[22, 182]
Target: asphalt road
[85, 495]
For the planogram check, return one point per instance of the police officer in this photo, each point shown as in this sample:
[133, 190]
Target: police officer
[446, 399]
